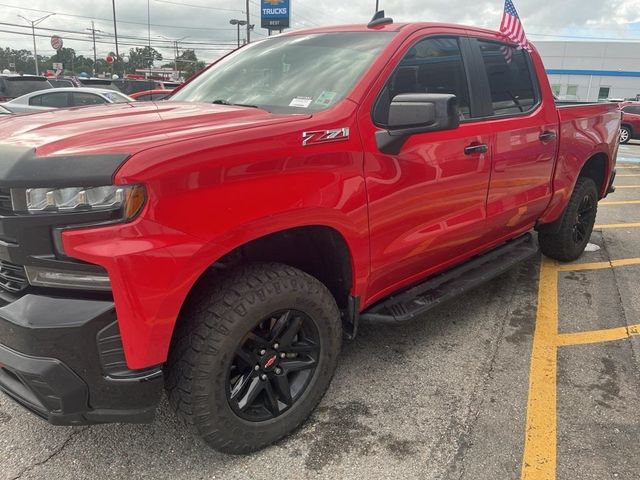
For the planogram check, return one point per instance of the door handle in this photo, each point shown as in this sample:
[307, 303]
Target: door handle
[547, 136]
[476, 148]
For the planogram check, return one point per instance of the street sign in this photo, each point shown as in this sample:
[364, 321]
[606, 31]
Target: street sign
[56, 42]
[58, 67]
[275, 14]
[110, 59]
[12, 65]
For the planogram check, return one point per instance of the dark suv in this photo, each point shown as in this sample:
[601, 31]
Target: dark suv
[14, 86]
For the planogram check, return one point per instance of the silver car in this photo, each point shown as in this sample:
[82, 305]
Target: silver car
[51, 99]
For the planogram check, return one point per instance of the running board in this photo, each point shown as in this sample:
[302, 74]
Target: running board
[407, 305]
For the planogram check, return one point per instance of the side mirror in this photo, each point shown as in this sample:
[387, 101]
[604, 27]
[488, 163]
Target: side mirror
[414, 113]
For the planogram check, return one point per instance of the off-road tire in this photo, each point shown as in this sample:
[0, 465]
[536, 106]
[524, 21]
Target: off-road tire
[210, 328]
[561, 245]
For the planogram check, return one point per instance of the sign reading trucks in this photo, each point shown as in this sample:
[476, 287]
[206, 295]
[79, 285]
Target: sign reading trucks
[275, 14]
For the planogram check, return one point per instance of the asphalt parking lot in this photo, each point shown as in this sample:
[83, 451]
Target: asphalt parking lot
[533, 376]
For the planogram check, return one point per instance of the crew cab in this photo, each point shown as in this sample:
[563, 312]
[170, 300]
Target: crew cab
[222, 243]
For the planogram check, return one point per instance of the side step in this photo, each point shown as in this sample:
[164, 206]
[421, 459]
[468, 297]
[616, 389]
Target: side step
[417, 300]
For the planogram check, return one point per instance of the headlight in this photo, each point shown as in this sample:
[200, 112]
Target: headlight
[128, 198]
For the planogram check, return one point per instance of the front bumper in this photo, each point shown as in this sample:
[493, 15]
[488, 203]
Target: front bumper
[62, 359]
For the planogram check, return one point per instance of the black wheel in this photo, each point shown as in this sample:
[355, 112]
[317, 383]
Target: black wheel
[253, 355]
[568, 243]
[625, 134]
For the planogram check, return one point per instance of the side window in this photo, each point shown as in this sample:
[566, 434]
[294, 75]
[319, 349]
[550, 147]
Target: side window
[632, 110]
[433, 65]
[510, 81]
[53, 100]
[83, 99]
[37, 100]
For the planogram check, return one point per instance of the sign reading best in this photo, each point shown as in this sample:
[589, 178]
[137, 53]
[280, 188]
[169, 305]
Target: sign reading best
[275, 14]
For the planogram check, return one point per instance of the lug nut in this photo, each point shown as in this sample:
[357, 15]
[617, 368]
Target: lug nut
[263, 377]
[283, 355]
[275, 345]
[256, 368]
[262, 352]
[278, 371]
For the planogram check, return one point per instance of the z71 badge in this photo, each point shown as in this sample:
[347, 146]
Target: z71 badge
[325, 136]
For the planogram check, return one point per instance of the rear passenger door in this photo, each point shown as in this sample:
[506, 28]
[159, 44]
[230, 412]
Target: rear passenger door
[524, 137]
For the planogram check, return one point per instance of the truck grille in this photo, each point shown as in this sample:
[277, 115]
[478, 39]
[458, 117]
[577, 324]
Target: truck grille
[5, 200]
[12, 277]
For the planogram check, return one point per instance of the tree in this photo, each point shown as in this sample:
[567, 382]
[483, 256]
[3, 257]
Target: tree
[142, 58]
[188, 63]
[22, 59]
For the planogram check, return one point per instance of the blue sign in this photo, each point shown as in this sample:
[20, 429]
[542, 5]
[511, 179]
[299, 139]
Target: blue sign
[275, 14]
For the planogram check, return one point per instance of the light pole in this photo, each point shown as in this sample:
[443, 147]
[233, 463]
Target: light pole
[238, 23]
[33, 32]
[248, 24]
[377, 5]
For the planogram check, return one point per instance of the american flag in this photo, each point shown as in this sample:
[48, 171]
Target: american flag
[511, 27]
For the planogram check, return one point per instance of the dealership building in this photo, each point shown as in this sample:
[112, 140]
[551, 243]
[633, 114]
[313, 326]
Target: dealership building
[592, 71]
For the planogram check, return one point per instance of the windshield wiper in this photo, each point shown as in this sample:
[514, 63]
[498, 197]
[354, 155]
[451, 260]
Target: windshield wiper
[226, 102]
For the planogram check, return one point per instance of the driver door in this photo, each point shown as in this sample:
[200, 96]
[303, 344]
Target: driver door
[427, 203]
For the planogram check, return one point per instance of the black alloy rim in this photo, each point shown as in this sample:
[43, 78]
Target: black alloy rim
[273, 366]
[584, 219]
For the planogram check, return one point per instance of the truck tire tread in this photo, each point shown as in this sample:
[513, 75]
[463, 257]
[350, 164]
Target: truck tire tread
[202, 339]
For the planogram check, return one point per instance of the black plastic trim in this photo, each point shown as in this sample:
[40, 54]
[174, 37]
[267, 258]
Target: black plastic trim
[53, 363]
[21, 168]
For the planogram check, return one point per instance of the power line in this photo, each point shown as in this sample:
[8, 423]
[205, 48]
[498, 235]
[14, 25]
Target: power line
[197, 6]
[108, 34]
[110, 19]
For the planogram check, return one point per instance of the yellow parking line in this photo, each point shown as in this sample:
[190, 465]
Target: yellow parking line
[540, 447]
[539, 459]
[597, 336]
[629, 175]
[574, 267]
[622, 202]
[627, 186]
[618, 225]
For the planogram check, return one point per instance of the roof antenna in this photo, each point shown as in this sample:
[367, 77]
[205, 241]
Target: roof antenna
[379, 19]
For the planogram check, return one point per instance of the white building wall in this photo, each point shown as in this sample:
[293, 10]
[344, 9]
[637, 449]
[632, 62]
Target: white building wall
[595, 59]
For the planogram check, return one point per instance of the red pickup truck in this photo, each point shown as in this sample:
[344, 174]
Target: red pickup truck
[222, 243]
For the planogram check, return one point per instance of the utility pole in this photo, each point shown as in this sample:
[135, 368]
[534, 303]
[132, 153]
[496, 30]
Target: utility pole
[95, 56]
[149, 23]
[115, 29]
[33, 33]
[248, 24]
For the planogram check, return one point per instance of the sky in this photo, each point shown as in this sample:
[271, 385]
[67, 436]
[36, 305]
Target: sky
[204, 24]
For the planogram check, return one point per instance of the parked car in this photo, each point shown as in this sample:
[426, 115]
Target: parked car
[103, 83]
[223, 245]
[13, 86]
[65, 98]
[131, 86]
[151, 95]
[630, 129]
[61, 82]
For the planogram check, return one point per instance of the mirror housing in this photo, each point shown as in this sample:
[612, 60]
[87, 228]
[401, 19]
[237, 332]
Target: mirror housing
[414, 113]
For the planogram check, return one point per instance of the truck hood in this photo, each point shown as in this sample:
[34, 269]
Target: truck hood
[128, 127]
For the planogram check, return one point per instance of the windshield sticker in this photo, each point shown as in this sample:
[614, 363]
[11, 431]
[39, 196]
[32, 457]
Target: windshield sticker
[301, 102]
[326, 98]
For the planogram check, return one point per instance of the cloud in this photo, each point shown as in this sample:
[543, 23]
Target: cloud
[206, 28]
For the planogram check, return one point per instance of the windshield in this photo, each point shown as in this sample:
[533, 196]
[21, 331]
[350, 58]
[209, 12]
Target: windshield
[291, 74]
